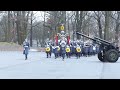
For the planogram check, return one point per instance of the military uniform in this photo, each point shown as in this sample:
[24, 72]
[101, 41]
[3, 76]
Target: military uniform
[68, 52]
[62, 49]
[78, 51]
[26, 49]
[86, 49]
[90, 50]
[48, 51]
[94, 50]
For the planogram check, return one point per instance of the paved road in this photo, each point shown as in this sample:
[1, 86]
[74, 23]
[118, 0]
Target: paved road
[13, 66]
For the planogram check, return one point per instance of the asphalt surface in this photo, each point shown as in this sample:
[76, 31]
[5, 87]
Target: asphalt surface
[14, 66]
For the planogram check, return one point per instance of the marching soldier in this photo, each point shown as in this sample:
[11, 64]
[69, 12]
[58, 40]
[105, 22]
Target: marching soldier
[78, 50]
[48, 51]
[26, 48]
[55, 51]
[62, 49]
[90, 50]
[58, 49]
[94, 49]
[86, 50]
[72, 49]
[97, 49]
[68, 51]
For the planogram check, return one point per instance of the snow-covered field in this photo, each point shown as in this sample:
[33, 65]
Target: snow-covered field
[13, 66]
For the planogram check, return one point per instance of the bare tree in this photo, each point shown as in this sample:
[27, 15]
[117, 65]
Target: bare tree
[21, 25]
[116, 17]
[31, 30]
[98, 16]
[107, 21]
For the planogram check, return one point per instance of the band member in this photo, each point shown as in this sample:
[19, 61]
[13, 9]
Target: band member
[78, 50]
[68, 51]
[62, 49]
[48, 51]
[86, 50]
[58, 49]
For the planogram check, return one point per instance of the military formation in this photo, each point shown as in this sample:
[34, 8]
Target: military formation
[74, 48]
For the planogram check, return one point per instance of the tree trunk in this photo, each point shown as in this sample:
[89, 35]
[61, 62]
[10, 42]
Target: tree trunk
[31, 33]
[79, 19]
[117, 30]
[80, 22]
[106, 30]
[18, 27]
[100, 28]
[9, 33]
[43, 37]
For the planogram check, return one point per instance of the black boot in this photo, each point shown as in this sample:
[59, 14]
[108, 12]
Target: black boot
[25, 57]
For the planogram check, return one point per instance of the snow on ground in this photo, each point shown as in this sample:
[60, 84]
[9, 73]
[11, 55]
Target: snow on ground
[13, 66]
[33, 50]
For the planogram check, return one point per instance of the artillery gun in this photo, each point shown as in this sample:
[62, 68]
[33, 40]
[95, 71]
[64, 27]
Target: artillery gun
[108, 52]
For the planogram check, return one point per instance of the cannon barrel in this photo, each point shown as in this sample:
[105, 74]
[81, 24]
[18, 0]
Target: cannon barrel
[96, 39]
[107, 52]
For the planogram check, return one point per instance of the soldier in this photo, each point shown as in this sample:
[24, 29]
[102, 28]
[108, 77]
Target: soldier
[58, 51]
[72, 49]
[81, 47]
[48, 51]
[68, 51]
[55, 51]
[78, 50]
[90, 50]
[26, 48]
[97, 49]
[82, 50]
[86, 48]
[62, 49]
[53, 48]
[94, 49]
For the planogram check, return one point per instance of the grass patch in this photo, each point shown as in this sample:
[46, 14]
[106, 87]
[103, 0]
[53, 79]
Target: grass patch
[11, 43]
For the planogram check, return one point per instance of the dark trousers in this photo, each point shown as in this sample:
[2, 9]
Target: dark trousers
[63, 55]
[78, 54]
[56, 55]
[48, 54]
[68, 54]
[86, 54]
[25, 56]
[25, 52]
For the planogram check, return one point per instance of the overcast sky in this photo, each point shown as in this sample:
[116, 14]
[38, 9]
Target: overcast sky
[39, 15]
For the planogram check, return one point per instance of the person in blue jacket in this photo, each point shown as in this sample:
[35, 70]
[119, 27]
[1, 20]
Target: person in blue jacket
[26, 48]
